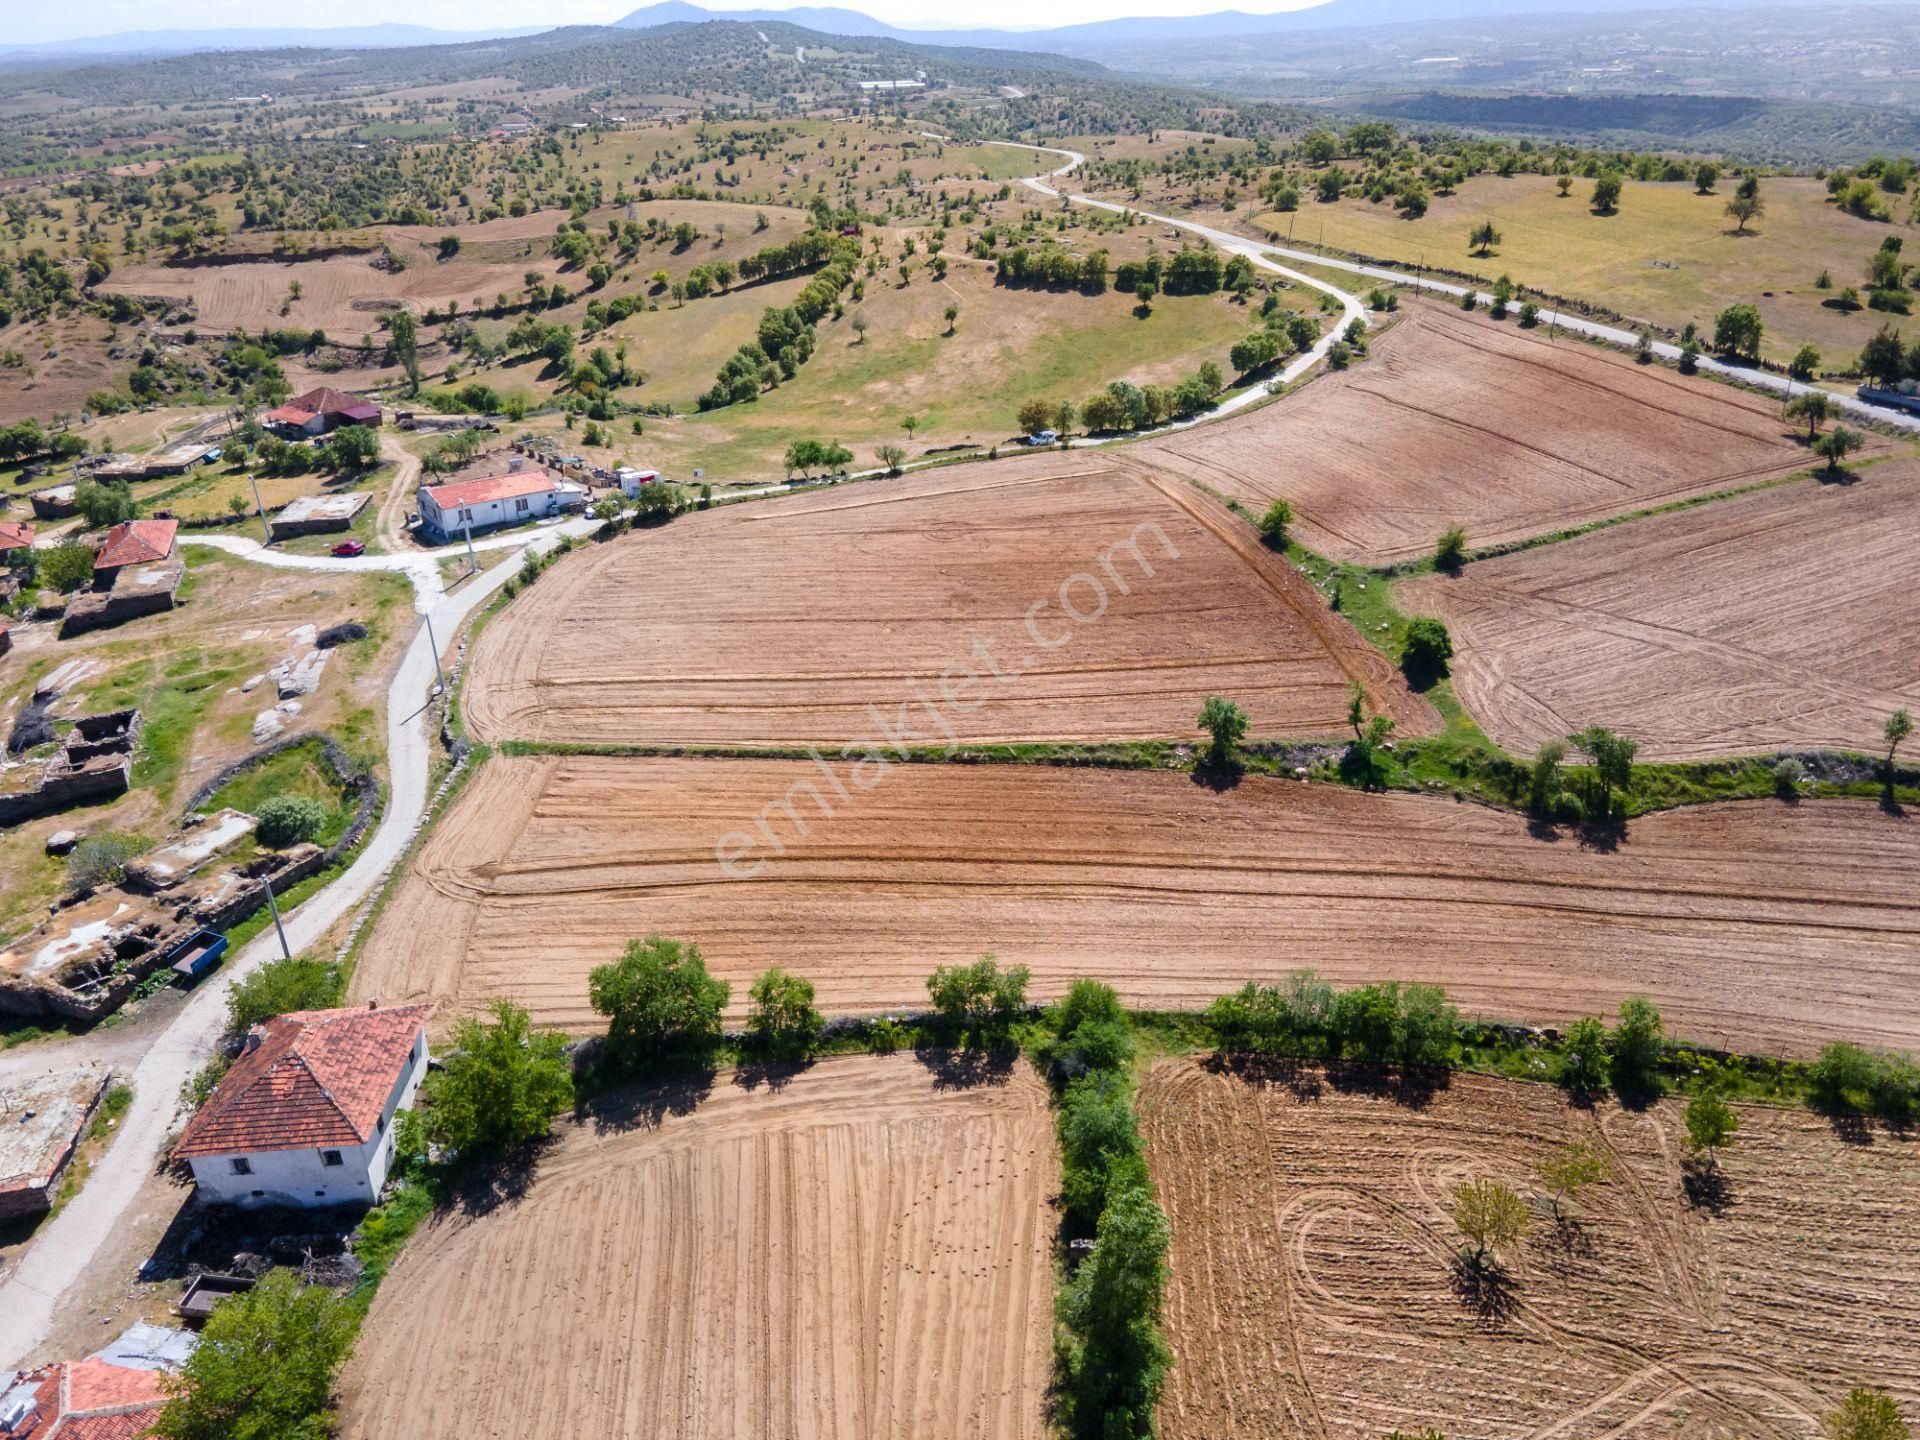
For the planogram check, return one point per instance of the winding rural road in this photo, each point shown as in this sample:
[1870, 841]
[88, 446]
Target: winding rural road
[1259, 252]
[66, 1244]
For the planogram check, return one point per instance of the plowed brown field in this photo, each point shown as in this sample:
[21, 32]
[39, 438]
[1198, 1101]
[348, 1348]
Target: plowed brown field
[1474, 422]
[1095, 601]
[1312, 1294]
[1782, 618]
[861, 1251]
[1764, 926]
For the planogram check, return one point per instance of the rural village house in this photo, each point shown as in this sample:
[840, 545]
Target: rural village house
[82, 1400]
[322, 411]
[133, 542]
[520, 494]
[305, 1116]
[15, 540]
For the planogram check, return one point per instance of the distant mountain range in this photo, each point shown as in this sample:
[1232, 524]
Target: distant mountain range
[1087, 40]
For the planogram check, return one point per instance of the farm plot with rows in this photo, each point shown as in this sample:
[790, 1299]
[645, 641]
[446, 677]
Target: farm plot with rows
[860, 1250]
[1754, 925]
[1778, 619]
[1458, 420]
[1315, 1292]
[1062, 598]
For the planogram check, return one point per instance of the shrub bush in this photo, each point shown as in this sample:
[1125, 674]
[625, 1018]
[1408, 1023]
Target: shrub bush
[290, 820]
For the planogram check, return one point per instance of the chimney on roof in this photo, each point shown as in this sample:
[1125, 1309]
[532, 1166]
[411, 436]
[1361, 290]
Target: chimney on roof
[373, 1004]
[513, 465]
[253, 1041]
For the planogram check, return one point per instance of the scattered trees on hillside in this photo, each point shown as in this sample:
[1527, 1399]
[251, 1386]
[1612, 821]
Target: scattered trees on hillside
[657, 996]
[980, 997]
[501, 1085]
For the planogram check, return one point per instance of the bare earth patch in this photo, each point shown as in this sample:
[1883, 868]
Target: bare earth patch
[1108, 602]
[1757, 925]
[859, 1251]
[1782, 618]
[1313, 1290]
[1458, 420]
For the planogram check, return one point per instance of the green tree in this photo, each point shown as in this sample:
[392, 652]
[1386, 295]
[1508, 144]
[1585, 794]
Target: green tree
[1544, 780]
[1884, 358]
[1899, 726]
[1100, 1147]
[264, 1367]
[1805, 363]
[1711, 1124]
[1816, 407]
[1706, 177]
[1606, 193]
[63, 567]
[403, 343]
[893, 457]
[352, 449]
[1570, 1169]
[502, 1084]
[1737, 331]
[951, 313]
[1450, 551]
[1638, 1041]
[1113, 1357]
[1865, 1415]
[1583, 1068]
[1610, 773]
[1836, 445]
[1490, 1216]
[1226, 726]
[1426, 651]
[978, 996]
[103, 505]
[1034, 416]
[1744, 209]
[1274, 523]
[280, 987]
[657, 995]
[781, 1013]
[290, 820]
[1483, 238]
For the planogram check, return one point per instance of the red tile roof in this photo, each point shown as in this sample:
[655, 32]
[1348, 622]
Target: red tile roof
[314, 1078]
[325, 401]
[289, 415]
[491, 487]
[136, 542]
[91, 1400]
[15, 537]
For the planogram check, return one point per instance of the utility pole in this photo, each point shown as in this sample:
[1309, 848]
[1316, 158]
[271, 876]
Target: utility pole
[434, 645]
[473, 565]
[265, 529]
[279, 929]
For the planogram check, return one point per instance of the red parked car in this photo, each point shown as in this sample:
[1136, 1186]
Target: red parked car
[347, 549]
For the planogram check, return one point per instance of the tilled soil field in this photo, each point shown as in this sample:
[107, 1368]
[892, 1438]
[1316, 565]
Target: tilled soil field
[1780, 619]
[1067, 597]
[1757, 925]
[1458, 420]
[1314, 1290]
[859, 1250]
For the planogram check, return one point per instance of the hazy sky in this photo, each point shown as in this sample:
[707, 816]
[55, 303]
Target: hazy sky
[24, 22]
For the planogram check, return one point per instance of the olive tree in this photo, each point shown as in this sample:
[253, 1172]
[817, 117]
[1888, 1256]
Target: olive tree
[1491, 1217]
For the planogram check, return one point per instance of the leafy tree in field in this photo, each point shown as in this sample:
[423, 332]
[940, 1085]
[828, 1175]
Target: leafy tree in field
[781, 1012]
[63, 567]
[1099, 1144]
[1611, 759]
[1090, 1031]
[1034, 416]
[1737, 331]
[951, 313]
[1711, 1124]
[1805, 363]
[502, 1084]
[657, 995]
[1816, 407]
[1899, 726]
[1606, 193]
[1564, 184]
[289, 820]
[978, 996]
[1570, 1169]
[1544, 780]
[281, 987]
[1063, 416]
[1274, 523]
[1112, 1357]
[103, 505]
[1836, 445]
[1483, 238]
[893, 457]
[1428, 648]
[1638, 1041]
[860, 327]
[1865, 1415]
[1450, 551]
[403, 341]
[1744, 209]
[1583, 1069]
[1491, 1218]
[1884, 360]
[101, 859]
[351, 449]
[1705, 178]
[1226, 725]
[264, 1367]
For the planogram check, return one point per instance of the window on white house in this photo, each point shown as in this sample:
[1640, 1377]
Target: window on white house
[241, 1165]
[520, 504]
[331, 1158]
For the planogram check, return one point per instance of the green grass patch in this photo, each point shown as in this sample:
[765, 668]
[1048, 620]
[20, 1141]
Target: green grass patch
[299, 770]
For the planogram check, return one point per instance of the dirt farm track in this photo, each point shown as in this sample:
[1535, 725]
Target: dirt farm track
[858, 1252]
[1459, 419]
[1776, 620]
[1758, 925]
[1313, 1292]
[1094, 600]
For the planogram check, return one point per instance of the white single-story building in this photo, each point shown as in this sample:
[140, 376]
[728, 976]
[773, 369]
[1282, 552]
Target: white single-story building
[305, 1116]
[522, 493]
[630, 480]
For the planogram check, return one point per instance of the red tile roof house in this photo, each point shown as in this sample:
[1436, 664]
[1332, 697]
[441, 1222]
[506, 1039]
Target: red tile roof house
[133, 542]
[491, 500]
[84, 1400]
[14, 537]
[305, 1116]
[319, 412]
